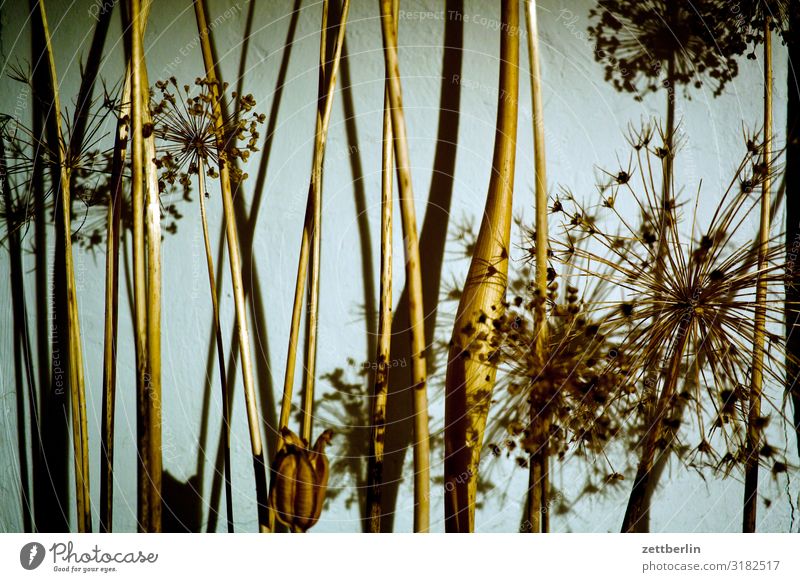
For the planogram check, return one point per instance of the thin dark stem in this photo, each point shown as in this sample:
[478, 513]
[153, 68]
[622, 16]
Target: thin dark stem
[220, 347]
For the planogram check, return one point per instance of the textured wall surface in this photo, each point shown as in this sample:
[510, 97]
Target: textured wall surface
[586, 120]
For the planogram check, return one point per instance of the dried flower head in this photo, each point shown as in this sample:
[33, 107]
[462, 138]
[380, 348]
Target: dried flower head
[191, 134]
[300, 480]
[694, 301]
[645, 44]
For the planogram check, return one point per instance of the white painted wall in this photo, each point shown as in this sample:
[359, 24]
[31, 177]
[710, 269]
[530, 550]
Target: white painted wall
[585, 122]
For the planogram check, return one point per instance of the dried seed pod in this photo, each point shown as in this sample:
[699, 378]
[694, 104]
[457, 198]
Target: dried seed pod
[300, 480]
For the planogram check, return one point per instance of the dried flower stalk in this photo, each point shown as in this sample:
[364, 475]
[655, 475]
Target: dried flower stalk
[234, 255]
[384, 344]
[311, 233]
[413, 275]
[757, 375]
[470, 374]
[538, 476]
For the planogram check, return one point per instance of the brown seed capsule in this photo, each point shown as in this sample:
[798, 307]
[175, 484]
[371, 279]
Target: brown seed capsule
[300, 480]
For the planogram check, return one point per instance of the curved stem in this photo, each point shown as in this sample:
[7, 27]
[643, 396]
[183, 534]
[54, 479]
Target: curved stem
[80, 437]
[470, 377]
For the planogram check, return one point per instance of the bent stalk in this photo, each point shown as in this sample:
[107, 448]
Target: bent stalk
[470, 376]
[80, 437]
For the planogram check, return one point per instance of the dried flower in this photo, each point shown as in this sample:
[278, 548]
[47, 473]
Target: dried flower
[647, 43]
[186, 125]
[300, 480]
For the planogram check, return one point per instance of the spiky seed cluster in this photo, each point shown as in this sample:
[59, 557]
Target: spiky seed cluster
[88, 167]
[636, 39]
[576, 390]
[188, 129]
[704, 294]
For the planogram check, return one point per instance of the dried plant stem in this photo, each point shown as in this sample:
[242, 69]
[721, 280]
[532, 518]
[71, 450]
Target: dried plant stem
[234, 255]
[201, 181]
[112, 309]
[470, 377]
[316, 236]
[153, 226]
[416, 311]
[752, 444]
[146, 276]
[312, 232]
[80, 437]
[638, 497]
[538, 476]
[381, 386]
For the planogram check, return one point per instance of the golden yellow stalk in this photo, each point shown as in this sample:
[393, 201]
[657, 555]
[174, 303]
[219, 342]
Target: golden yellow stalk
[381, 387]
[235, 260]
[145, 291]
[538, 479]
[311, 234]
[752, 448]
[470, 377]
[413, 274]
[153, 226]
[80, 437]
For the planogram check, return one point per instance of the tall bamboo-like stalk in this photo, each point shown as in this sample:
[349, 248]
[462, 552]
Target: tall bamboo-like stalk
[311, 230]
[234, 255]
[757, 375]
[384, 344]
[538, 475]
[470, 377]
[144, 420]
[111, 318]
[408, 216]
[77, 394]
[153, 249]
